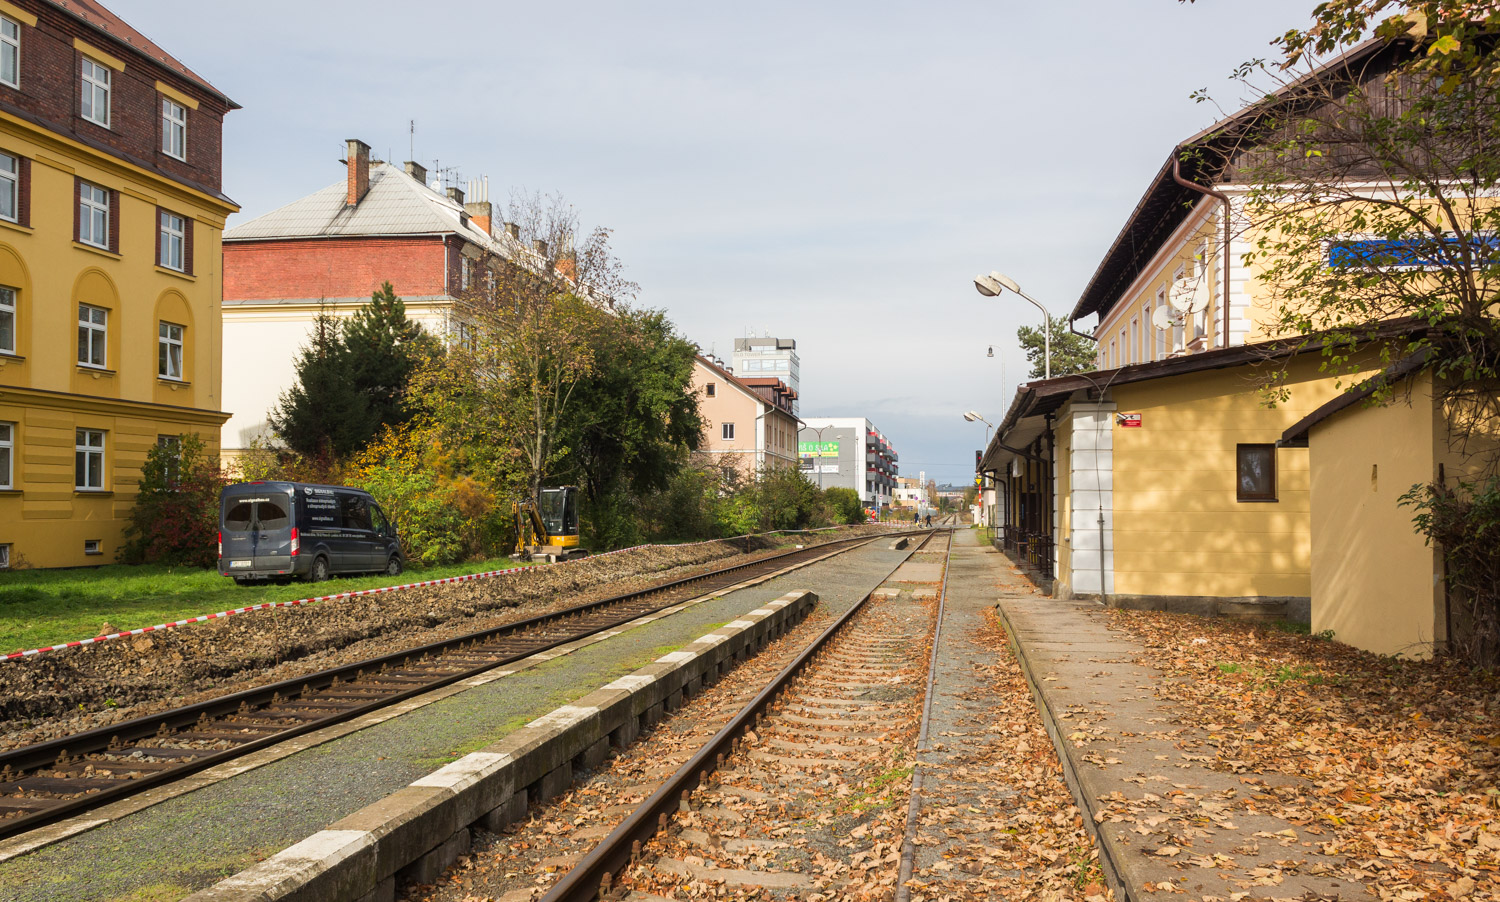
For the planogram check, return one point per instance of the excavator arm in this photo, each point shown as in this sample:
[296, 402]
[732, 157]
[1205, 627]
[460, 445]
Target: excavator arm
[530, 530]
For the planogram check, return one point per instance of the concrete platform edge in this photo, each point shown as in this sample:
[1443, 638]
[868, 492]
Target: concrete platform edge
[358, 857]
[1109, 861]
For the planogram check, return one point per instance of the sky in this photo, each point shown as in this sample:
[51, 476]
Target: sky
[832, 172]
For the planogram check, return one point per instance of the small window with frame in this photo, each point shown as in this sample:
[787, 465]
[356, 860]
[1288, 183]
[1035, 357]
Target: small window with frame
[709, 389]
[726, 431]
[1255, 472]
[10, 52]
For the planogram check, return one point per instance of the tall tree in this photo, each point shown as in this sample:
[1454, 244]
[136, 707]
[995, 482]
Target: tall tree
[323, 415]
[352, 379]
[384, 348]
[527, 336]
[1071, 353]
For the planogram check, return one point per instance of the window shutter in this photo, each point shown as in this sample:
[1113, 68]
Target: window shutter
[23, 192]
[114, 221]
[187, 244]
[77, 193]
[158, 237]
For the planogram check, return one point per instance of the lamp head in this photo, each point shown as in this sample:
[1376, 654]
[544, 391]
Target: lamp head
[991, 352]
[972, 417]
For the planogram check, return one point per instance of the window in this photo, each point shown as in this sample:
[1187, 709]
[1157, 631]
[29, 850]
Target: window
[1255, 476]
[1114, 354]
[93, 215]
[91, 546]
[726, 430]
[708, 390]
[95, 105]
[7, 455]
[172, 242]
[10, 188]
[5, 557]
[7, 320]
[1124, 358]
[10, 52]
[92, 328]
[1162, 334]
[88, 460]
[356, 511]
[169, 351]
[171, 448]
[173, 129]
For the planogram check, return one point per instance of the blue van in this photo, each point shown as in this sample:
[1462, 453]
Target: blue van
[285, 530]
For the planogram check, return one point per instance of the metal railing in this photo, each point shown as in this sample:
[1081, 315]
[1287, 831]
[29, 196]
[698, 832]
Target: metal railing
[1032, 549]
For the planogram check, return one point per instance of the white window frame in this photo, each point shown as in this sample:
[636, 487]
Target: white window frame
[7, 313]
[173, 230]
[89, 444]
[5, 556]
[93, 334]
[10, 185]
[93, 215]
[169, 350]
[1124, 358]
[10, 46]
[173, 129]
[7, 455]
[726, 432]
[95, 78]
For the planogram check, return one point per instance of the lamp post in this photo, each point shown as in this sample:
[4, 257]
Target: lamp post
[974, 417]
[818, 453]
[995, 284]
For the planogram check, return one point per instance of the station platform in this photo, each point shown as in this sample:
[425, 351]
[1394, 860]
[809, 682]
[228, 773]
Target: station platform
[1166, 824]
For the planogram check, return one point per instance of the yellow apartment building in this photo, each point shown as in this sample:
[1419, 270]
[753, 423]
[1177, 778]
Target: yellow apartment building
[111, 212]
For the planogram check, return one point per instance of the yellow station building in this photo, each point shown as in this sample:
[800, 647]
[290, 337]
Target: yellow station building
[111, 212]
[1163, 480]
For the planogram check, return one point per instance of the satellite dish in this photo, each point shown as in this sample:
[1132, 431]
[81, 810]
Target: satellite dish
[1181, 296]
[1161, 318]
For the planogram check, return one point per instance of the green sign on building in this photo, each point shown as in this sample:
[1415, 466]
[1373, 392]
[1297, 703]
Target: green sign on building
[818, 449]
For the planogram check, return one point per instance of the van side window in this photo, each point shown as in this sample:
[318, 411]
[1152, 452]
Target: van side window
[378, 516]
[273, 515]
[356, 511]
[238, 518]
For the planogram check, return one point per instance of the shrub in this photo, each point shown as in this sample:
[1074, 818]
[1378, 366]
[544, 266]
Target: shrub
[1464, 523]
[844, 505]
[175, 519]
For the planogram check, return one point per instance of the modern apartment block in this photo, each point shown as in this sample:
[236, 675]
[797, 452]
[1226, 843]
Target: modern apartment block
[111, 212]
[849, 452]
[769, 358]
[747, 422]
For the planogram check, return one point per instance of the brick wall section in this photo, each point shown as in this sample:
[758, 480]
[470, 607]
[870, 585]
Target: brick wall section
[51, 92]
[333, 267]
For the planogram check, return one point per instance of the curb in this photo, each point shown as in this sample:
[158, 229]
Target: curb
[1107, 861]
[417, 831]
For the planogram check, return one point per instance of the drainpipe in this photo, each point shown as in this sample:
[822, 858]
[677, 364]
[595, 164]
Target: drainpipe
[1224, 257]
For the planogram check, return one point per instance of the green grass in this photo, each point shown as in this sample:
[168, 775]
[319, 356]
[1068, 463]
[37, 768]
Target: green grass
[45, 607]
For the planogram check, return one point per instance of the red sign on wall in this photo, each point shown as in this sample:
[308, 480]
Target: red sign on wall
[1128, 420]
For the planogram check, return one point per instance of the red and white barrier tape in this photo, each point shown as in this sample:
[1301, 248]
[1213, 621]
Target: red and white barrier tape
[266, 606]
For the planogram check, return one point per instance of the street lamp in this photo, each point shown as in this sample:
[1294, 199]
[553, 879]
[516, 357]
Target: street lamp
[818, 452]
[994, 284]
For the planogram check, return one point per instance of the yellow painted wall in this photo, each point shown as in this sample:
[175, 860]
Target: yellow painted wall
[1178, 528]
[1373, 577]
[47, 395]
[1157, 278]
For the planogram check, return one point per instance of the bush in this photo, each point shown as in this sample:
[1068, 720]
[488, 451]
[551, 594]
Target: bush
[175, 519]
[440, 518]
[844, 505]
[1464, 523]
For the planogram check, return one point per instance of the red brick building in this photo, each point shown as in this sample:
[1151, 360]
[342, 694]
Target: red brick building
[332, 249]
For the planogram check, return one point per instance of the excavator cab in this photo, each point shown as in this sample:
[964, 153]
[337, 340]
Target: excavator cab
[548, 528]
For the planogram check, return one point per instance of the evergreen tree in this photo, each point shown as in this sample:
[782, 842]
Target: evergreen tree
[1071, 353]
[352, 379]
[384, 348]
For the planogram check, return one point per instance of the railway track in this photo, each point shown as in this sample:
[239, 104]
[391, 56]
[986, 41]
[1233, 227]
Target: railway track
[49, 781]
[749, 809]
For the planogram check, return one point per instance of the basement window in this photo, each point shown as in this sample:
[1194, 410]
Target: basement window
[92, 546]
[1255, 472]
[5, 556]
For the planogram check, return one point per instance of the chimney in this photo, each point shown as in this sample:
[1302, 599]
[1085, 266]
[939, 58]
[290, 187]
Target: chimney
[481, 213]
[539, 246]
[417, 171]
[359, 171]
[513, 230]
[567, 265]
[456, 194]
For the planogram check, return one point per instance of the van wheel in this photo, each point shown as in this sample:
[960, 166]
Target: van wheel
[393, 567]
[319, 570]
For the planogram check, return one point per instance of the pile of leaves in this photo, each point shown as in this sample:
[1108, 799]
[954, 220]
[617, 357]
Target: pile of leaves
[1391, 765]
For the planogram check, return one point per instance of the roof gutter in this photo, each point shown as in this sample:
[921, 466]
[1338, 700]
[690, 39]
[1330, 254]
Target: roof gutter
[1224, 254]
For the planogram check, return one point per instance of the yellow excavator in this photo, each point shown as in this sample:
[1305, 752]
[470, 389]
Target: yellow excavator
[547, 529]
